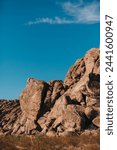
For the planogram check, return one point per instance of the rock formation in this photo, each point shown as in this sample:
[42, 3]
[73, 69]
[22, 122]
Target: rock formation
[57, 108]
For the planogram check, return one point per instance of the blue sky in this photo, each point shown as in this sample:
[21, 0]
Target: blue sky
[43, 38]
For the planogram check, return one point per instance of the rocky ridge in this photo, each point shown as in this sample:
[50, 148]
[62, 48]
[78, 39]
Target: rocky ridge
[57, 108]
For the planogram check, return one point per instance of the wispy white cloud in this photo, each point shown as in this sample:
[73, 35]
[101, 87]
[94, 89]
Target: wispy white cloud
[55, 20]
[79, 12]
[83, 13]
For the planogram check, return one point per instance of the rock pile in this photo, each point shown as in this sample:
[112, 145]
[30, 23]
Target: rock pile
[57, 108]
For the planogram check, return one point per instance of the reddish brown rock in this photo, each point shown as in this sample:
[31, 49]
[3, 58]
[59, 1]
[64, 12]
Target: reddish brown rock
[88, 64]
[64, 117]
[96, 121]
[32, 98]
[31, 102]
[90, 113]
[10, 111]
[86, 89]
[55, 90]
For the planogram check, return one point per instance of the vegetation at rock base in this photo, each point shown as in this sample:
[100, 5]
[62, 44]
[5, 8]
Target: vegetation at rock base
[83, 142]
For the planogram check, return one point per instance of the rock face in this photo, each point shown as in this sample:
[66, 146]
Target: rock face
[57, 108]
[31, 101]
[10, 111]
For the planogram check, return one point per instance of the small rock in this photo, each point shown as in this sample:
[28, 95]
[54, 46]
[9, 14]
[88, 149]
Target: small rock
[51, 133]
[96, 121]
[90, 113]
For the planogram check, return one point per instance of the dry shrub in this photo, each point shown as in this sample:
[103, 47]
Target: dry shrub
[91, 147]
[85, 139]
[82, 142]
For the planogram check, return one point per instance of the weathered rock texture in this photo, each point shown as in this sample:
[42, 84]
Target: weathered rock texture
[57, 108]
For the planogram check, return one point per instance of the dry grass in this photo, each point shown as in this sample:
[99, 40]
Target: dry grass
[52, 143]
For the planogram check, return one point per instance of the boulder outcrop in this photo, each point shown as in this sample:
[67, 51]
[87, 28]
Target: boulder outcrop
[57, 108]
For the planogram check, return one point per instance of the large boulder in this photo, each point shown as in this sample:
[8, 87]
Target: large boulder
[32, 98]
[86, 88]
[64, 117]
[56, 89]
[37, 98]
[31, 102]
[90, 63]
